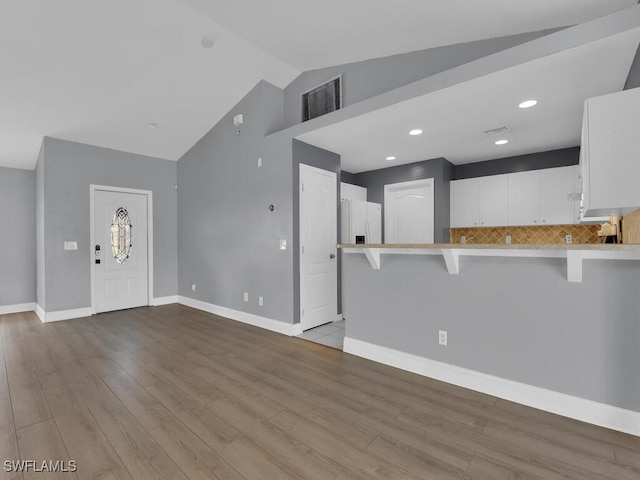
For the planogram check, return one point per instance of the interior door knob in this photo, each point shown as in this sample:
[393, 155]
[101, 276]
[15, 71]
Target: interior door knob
[332, 255]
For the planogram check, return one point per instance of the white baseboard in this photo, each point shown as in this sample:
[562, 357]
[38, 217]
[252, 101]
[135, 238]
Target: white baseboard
[615, 418]
[244, 317]
[165, 300]
[22, 307]
[46, 317]
[40, 312]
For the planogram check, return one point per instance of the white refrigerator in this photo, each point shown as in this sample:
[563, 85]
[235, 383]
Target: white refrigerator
[361, 222]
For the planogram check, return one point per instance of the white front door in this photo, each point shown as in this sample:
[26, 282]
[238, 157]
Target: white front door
[408, 212]
[120, 259]
[318, 240]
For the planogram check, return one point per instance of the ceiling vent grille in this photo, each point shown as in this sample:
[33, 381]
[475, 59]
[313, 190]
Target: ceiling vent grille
[323, 99]
[498, 131]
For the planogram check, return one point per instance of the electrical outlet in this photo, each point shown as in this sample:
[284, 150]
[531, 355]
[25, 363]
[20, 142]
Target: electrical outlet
[246, 296]
[193, 287]
[442, 337]
[568, 238]
[463, 239]
[507, 239]
[260, 301]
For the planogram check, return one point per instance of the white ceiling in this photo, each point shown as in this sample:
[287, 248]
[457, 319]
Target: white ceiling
[454, 119]
[309, 34]
[97, 72]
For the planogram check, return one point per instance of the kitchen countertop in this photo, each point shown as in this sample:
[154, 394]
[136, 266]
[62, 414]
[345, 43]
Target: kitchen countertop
[452, 252]
[501, 246]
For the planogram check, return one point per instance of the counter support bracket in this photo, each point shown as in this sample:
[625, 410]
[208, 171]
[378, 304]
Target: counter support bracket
[452, 260]
[373, 255]
[574, 266]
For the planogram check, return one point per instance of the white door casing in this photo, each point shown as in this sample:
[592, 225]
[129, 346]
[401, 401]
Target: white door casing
[408, 212]
[318, 247]
[115, 285]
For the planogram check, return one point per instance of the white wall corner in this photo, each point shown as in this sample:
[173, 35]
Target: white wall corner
[40, 313]
[601, 414]
[19, 308]
[243, 317]
[166, 300]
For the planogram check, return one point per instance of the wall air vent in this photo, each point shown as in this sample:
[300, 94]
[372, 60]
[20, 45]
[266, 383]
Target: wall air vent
[498, 131]
[323, 99]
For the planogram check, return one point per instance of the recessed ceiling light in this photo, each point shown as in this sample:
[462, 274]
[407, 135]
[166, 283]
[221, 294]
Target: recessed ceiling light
[502, 142]
[390, 158]
[207, 41]
[152, 126]
[528, 104]
[416, 131]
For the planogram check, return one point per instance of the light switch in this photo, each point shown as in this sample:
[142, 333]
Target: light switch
[283, 244]
[71, 245]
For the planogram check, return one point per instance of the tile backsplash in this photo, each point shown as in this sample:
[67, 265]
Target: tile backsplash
[548, 234]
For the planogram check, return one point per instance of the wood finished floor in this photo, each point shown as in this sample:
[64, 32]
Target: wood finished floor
[174, 393]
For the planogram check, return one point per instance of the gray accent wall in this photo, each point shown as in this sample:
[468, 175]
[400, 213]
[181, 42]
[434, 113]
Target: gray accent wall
[303, 153]
[70, 168]
[440, 169]
[514, 318]
[228, 240]
[366, 79]
[534, 161]
[17, 236]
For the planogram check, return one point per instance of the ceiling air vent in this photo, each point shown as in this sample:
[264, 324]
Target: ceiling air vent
[323, 99]
[498, 131]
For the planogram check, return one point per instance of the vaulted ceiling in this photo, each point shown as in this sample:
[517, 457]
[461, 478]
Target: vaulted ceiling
[100, 72]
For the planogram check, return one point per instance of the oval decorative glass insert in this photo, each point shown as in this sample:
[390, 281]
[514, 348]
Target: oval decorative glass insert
[121, 243]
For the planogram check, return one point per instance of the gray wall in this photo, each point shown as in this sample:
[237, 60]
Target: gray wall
[439, 169]
[40, 222]
[534, 161]
[69, 170]
[315, 157]
[228, 241]
[17, 236]
[633, 80]
[514, 318]
[362, 80]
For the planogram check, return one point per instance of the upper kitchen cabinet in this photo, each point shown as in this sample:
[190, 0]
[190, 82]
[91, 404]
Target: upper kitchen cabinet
[610, 154]
[352, 192]
[479, 202]
[543, 197]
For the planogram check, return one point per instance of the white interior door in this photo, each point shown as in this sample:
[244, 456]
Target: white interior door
[318, 240]
[120, 259]
[408, 212]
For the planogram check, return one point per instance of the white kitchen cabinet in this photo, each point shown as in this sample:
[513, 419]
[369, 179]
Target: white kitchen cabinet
[543, 197]
[479, 202]
[352, 192]
[465, 211]
[492, 200]
[610, 154]
[557, 205]
[524, 198]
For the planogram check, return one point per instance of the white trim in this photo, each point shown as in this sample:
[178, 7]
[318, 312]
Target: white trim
[19, 308]
[165, 300]
[338, 318]
[620, 419]
[46, 317]
[244, 317]
[40, 312]
[149, 194]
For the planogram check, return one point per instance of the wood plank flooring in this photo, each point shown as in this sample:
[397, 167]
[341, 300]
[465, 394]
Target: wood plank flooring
[174, 393]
